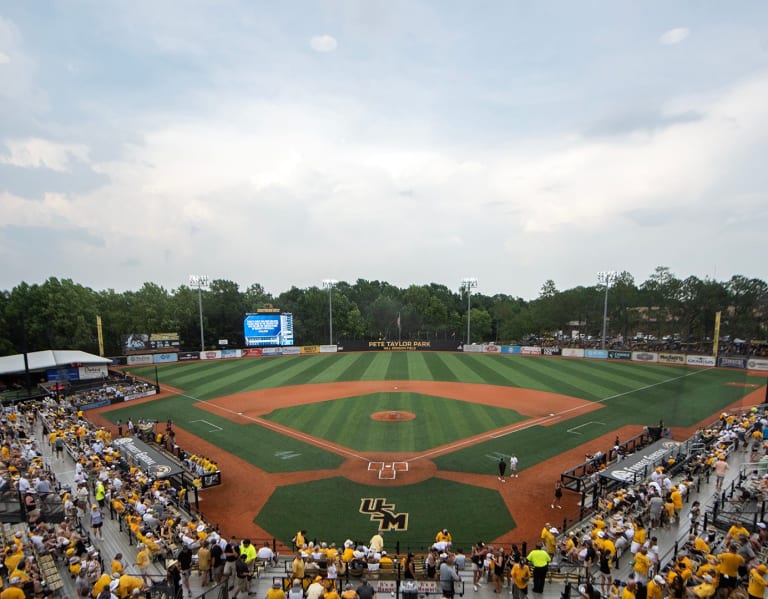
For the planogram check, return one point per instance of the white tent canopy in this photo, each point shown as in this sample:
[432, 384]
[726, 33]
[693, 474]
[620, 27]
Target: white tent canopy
[49, 358]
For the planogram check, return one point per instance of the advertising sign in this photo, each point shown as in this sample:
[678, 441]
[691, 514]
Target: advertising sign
[530, 350]
[210, 355]
[672, 358]
[619, 355]
[757, 364]
[136, 360]
[510, 349]
[140, 455]
[252, 352]
[63, 374]
[310, 349]
[639, 464]
[551, 351]
[272, 351]
[700, 360]
[291, 351]
[230, 353]
[328, 349]
[645, 356]
[732, 362]
[96, 371]
[596, 354]
[163, 341]
[573, 352]
[164, 358]
[188, 355]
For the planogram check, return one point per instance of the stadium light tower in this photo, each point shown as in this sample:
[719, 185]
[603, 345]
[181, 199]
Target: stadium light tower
[199, 281]
[606, 277]
[329, 284]
[468, 284]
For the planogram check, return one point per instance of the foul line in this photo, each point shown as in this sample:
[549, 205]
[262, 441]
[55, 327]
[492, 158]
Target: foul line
[573, 430]
[217, 428]
[537, 421]
[283, 430]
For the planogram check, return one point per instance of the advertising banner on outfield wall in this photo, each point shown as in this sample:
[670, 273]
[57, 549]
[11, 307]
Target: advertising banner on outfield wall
[291, 351]
[165, 358]
[596, 354]
[551, 351]
[700, 360]
[97, 371]
[310, 349]
[732, 362]
[230, 353]
[573, 352]
[136, 360]
[645, 356]
[252, 352]
[328, 349]
[530, 350]
[757, 364]
[472, 348]
[211, 355]
[272, 351]
[619, 355]
[510, 349]
[188, 355]
[672, 358]
[492, 348]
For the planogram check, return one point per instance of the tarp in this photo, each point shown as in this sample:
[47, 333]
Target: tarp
[139, 454]
[641, 463]
[47, 359]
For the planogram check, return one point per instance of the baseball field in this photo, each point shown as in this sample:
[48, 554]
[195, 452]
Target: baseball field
[408, 443]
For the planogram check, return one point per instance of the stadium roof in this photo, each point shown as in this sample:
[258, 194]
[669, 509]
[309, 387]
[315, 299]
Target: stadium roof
[49, 358]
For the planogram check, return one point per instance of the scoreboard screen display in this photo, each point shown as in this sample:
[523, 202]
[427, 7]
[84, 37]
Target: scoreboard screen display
[268, 329]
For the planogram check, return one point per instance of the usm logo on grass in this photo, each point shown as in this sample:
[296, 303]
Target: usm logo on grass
[384, 513]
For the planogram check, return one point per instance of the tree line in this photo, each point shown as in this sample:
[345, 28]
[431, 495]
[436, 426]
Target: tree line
[61, 314]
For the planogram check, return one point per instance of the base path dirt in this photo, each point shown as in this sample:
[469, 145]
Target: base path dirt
[246, 488]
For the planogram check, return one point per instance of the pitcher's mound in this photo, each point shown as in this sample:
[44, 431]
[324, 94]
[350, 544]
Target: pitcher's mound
[393, 416]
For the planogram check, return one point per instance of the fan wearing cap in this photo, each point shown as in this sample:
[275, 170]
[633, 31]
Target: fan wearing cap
[276, 591]
[142, 561]
[316, 590]
[13, 591]
[655, 588]
[757, 582]
[704, 590]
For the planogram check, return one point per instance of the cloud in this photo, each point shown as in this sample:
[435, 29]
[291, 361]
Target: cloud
[35, 152]
[674, 36]
[4, 58]
[323, 43]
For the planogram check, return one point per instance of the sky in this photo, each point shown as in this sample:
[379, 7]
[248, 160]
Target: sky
[407, 141]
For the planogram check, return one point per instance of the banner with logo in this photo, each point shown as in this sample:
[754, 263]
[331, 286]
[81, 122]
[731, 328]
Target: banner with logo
[291, 350]
[672, 358]
[188, 355]
[310, 349]
[510, 349]
[252, 352]
[63, 374]
[641, 463]
[551, 351]
[573, 352]
[645, 356]
[724, 362]
[165, 358]
[230, 353]
[97, 371]
[757, 364]
[472, 348]
[140, 455]
[211, 355]
[619, 355]
[131, 396]
[530, 350]
[700, 360]
[596, 354]
[142, 359]
[328, 349]
[272, 351]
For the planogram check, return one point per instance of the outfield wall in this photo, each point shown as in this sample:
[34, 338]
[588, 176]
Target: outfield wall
[751, 364]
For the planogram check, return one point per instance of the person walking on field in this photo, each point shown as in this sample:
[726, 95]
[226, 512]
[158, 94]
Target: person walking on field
[558, 495]
[513, 466]
[502, 468]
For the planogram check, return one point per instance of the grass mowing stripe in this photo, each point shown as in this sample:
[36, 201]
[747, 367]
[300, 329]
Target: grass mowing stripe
[356, 370]
[461, 370]
[377, 369]
[547, 378]
[398, 366]
[508, 367]
[438, 368]
[417, 367]
[488, 375]
[314, 368]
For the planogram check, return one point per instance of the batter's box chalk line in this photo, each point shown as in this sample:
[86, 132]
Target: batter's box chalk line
[388, 470]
